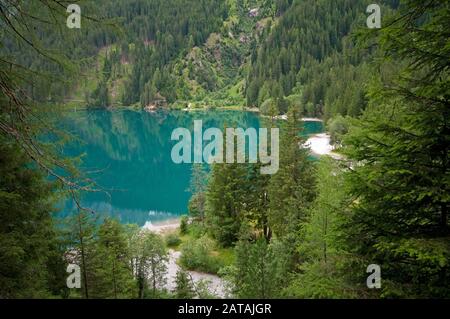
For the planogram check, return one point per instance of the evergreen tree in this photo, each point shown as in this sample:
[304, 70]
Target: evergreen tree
[257, 200]
[225, 200]
[26, 227]
[321, 274]
[291, 189]
[114, 278]
[197, 187]
[80, 232]
[150, 263]
[184, 286]
[260, 269]
[400, 150]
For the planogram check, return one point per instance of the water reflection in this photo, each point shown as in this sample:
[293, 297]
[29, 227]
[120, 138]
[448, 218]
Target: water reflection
[132, 150]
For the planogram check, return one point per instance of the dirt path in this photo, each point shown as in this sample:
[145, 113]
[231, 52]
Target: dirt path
[216, 284]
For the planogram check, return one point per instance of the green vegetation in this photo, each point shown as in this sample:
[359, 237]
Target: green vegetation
[197, 255]
[185, 288]
[308, 231]
[28, 241]
[199, 251]
[173, 240]
[116, 261]
[311, 232]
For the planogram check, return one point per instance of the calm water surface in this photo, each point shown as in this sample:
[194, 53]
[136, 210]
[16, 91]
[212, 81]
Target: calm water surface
[131, 150]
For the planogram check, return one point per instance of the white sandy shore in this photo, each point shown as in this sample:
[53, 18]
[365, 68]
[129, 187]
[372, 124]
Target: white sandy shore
[311, 119]
[163, 227]
[320, 145]
[303, 119]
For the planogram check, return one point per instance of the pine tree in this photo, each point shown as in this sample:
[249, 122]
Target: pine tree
[400, 150]
[26, 228]
[225, 200]
[291, 189]
[184, 286]
[80, 231]
[197, 187]
[114, 277]
[257, 200]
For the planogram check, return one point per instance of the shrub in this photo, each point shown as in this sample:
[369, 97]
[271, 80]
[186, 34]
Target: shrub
[338, 127]
[173, 240]
[197, 230]
[183, 225]
[197, 255]
[185, 287]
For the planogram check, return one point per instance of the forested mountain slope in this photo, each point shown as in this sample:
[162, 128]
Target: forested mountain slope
[309, 58]
[256, 53]
[213, 53]
[190, 62]
[314, 229]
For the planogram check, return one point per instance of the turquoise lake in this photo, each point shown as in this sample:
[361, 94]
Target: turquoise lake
[132, 152]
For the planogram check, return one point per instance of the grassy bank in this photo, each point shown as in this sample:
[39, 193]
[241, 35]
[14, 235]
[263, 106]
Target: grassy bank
[199, 252]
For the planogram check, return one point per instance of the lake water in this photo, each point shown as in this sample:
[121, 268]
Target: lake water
[132, 152]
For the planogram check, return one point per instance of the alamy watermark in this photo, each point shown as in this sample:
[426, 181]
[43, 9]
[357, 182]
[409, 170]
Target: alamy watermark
[374, 19]
[74, 279]
[374, 279]
[74, 18]
[213, 151]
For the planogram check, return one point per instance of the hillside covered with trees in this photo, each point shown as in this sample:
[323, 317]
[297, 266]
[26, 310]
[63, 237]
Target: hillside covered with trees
[309, 231]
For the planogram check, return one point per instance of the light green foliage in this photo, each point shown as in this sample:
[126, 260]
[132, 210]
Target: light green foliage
[184, 286]
[197, 254]
[183, 225]
[80, 234]
[203, 290]
[173, 240]
[337, 128]
[321, 274]
[150, 264]
[198, 185]
[114, 276]
[260, 269]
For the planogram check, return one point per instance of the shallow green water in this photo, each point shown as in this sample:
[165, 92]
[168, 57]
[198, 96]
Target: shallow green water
[133, 150]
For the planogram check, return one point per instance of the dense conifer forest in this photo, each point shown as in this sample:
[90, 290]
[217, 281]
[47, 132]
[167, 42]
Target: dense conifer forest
[309, 231]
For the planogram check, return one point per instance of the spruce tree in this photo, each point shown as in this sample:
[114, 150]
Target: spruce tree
[114, 277]
[291, 189]
[26, 227]
[400, 150]
[225, 200]
[184, 286]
